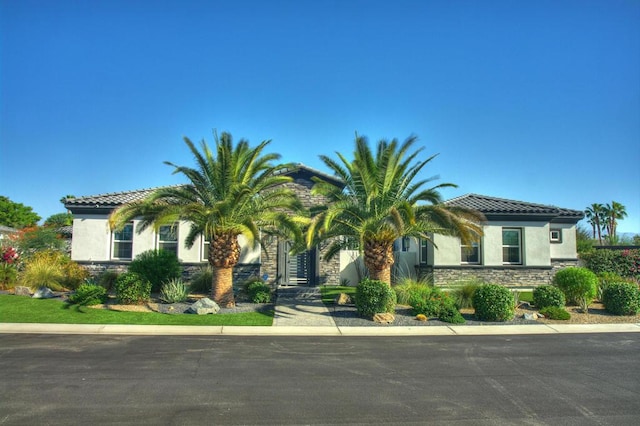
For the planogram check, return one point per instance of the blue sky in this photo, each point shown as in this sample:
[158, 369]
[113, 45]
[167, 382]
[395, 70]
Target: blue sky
[530, 100]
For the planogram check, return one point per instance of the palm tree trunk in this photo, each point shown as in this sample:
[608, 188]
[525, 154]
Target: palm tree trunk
[222, 287]
[378, 258]
[224, 253]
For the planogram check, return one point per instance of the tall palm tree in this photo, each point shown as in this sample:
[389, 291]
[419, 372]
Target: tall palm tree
[232, 191]
[613, 212]
[381, 201]
[595, 214]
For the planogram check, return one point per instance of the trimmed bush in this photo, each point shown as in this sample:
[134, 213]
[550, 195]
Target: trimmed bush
[157, 267]
[174, 291]
[202, 281]
[548, 295]
[450, 313]
[606, 278]
[555, 313]
[621, 298]
[493, 302]
[88, 295]
[258, 291]
[579, 285]
[373, 297]
[108, 279]
[132, 289]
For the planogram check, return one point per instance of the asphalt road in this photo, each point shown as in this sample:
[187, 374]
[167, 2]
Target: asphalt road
[588, 379]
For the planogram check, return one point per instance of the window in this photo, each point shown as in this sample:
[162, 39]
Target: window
[123, 243]
[168, 238]
[470, 253]
[423, 251]
[205, 248]
[555, 235]
[512, 246]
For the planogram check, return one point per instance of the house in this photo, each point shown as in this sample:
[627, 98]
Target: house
[523, 243]
[7, 231]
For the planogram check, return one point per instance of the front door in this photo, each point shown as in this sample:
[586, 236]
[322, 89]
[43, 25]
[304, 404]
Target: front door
[296, 269]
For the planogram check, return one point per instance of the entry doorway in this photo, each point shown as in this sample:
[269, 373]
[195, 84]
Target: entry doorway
[296, 269]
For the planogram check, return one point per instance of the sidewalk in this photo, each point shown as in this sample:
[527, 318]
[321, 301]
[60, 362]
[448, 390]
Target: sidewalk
[300, 312]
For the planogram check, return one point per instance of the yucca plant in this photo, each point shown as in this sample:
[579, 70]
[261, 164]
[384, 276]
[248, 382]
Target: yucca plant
[174, 291]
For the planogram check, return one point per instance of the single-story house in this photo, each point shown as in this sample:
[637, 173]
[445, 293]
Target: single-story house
[523, 243]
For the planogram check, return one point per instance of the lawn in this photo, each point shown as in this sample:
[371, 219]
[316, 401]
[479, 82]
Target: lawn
[330, 292]
[20, 309]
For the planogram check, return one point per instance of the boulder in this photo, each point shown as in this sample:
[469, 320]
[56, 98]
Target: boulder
[384, 318]
[531, 316]
[204, 306]
[43, 293]
[343, 299]
[22, 291]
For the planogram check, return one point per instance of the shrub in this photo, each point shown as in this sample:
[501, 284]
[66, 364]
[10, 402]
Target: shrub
[493, 302]
[621, 298]
[579, 285]
[606, 278]
[88, 295]
[74, 274]
[174, 291]
[411, 291]
[258, 291]
[108, 279]
[202, 281]
[8, 276]
[157, 266]
[450, 313]
[555, 313]
[373, 296]
[625, 263]
[462, 293]
[43, 269]
[132, 289]
[548, 295]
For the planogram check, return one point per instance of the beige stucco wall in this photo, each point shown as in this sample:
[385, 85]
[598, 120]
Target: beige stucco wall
[92, 242]
[567, 248]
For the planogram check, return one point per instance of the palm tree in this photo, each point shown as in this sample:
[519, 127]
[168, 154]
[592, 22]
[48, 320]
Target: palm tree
[232, 191]
[381, 201]
[595, 215]
[613, 212]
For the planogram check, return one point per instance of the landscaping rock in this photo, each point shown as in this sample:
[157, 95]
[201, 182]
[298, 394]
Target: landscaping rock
[384, 318]
[22, 291]
[43, 293]
[343, 299]
[531, 316]
[204, 306]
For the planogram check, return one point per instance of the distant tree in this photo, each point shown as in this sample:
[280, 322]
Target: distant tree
[636, 240]
[59, 219]
[612, 213]
[37, 238]
[584, 242]
[16, 215]
[595, 215]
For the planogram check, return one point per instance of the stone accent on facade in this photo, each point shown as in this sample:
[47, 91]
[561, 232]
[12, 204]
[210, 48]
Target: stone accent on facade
[512, 276]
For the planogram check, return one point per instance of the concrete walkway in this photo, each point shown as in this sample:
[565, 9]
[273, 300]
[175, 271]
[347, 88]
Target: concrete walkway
[301, 307]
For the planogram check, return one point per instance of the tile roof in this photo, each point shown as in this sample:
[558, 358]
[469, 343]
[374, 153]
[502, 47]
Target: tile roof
[499, 206]
[111, 199]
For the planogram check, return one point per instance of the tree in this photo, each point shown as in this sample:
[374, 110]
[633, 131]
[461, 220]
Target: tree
[59, 219]
[16, 215]
[595, 216]
[382, 201]
[232, 191]
[612, 213]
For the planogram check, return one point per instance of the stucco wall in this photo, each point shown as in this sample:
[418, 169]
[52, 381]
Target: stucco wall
[567, 248]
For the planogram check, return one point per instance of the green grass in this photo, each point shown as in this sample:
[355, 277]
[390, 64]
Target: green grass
[526, 296]
[329, 292]
[20, 309]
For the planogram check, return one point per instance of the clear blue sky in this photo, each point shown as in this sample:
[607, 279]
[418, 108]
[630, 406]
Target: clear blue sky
[531, 100]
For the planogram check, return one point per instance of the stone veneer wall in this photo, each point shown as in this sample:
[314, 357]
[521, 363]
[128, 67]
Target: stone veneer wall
[241, 272]
[512, 276]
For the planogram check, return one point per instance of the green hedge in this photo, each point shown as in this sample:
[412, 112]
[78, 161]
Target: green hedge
[373, 297]
[548, 295]
[625, 263]
[493, 302]
[621, 298]
[579, 285]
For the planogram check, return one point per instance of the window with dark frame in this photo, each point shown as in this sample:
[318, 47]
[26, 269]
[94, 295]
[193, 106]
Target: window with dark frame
[122, 247]
[470, 254]
[512, 246]
[168, 238]
[555, 235]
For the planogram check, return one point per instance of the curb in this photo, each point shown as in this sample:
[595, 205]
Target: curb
[173, 330]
